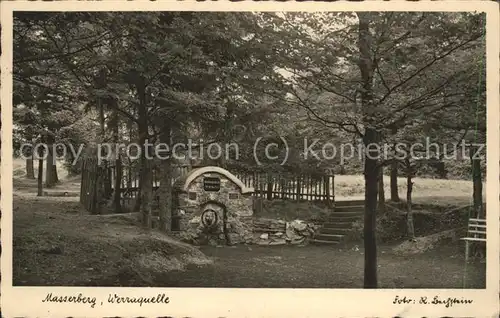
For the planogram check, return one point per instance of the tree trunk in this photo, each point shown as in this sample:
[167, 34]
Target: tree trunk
[477, 183]
[282, 187]
[369, 232]
[409, 190]
[329, 186]
[40, 172]
[394, 172]
[106, 178]
[146, 191]
[138, 199]
[101, 119]
[269, 192]
[394, 181]
[371, 170]
[342, 169]
[51, 169]
[381, 192]
[117, 204]
[132, 177]
[441, 170]
[54, 172]
[118, 162]
[165, 190]
[146, 177]
[298, 188]
[30, 169]
[226, 139]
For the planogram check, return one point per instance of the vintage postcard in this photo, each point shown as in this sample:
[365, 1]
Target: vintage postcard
[250, 159]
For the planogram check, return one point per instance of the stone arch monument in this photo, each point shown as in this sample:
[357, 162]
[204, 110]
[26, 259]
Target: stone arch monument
[212, 206]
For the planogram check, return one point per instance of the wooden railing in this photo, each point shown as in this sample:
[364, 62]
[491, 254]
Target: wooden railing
[290, 186]
[286, 186]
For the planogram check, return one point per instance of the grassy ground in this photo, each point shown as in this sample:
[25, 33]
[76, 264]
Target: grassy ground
[325, 267]
[430, 191]
[290, 210]
[19, 169]
[56, 244]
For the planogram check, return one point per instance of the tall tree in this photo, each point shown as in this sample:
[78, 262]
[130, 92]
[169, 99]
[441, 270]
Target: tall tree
[379, 85]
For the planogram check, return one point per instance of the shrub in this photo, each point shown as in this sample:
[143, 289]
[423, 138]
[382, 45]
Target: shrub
[290, 210]
[391, 226]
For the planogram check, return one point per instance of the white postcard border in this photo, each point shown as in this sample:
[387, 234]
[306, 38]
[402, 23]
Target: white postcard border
[224, 302]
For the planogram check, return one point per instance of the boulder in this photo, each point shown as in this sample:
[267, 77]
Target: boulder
[278, 242]
[424, 243]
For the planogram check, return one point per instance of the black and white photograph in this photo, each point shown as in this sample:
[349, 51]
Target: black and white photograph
[251, 149]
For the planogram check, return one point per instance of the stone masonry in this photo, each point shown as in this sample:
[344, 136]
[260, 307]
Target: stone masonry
[213, 216]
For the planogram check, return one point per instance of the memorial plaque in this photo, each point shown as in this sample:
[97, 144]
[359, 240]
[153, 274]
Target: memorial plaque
[211, 184]
[234, 196]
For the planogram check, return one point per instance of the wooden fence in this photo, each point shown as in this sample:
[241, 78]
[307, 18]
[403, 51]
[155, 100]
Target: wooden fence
[290, 186]
[89, 187]
[98, 183]
[131, 178]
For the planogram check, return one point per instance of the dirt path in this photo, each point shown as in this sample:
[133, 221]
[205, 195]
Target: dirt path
[325, 267]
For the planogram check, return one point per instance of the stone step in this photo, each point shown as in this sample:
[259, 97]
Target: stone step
[321, 242]
[350, 218]
[334, 230]
[335, 225]
[349, 203]
[329, 237]
[351, 208]
[346, 214]
[268, 230]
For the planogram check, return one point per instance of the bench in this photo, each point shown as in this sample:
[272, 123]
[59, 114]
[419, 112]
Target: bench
[476, 232]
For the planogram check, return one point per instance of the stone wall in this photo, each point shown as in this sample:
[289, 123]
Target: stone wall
[232, 208]
[226, 216]
[242, 206]
[279, 232]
